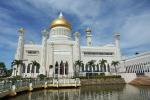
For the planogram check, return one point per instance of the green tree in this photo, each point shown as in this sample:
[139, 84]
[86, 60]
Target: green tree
[3, 67]
[78, 63]
[41, 76]
[91, 64]
[36, 65]
[17, 63]
[8, 72]
[102, 63]
[115, 64]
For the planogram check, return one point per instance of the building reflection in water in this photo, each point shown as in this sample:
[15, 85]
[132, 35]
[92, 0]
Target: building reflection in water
[107, 92]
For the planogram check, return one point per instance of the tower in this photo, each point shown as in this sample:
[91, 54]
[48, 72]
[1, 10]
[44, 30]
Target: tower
[88, 37]
[44, 50]
[60, 29]
[60, 48]
[117, 45]
[77, 40]
[20, 48]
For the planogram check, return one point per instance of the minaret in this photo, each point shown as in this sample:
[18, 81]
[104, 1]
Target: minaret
[60, 29]
[88, 37]
[20, 48]
[117, 44]
[43, 52]
[77, 39]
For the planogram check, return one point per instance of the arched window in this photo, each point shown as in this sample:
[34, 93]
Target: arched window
[61, 68]
[56, 68]
[97, 67]
[82, 67]
[23, 68]
[90, 68]
[66, 68]
[108, 67]
[28, 68]
[32, 70]
[86, 68]
[37, 68]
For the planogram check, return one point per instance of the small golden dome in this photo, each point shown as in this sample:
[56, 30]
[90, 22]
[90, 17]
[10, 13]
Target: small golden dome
[60, 21]
[88, 30]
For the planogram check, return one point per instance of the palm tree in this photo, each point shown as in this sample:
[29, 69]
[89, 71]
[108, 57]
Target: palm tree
[17, 63]
[35, 64]
[115, 64]
[78, 63]
[91, 64]
[102, 63]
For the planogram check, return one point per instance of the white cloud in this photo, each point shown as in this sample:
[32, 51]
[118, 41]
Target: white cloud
[105, 18]
[136, 31]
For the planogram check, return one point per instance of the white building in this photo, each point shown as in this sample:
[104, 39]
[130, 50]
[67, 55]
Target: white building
[59, 50]
[139, 64]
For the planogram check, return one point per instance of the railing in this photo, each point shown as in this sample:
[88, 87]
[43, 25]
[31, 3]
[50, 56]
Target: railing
[38, 82]
[5, 86]
[19, 84]
[22, 85]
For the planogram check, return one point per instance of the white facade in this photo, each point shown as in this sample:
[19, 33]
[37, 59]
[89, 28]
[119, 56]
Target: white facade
[139, 64]
[60, 51]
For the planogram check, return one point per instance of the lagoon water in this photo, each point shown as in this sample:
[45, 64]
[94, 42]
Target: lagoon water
[106, 92]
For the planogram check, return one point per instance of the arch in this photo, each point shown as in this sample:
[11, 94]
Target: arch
[56, 67]
[32, 70]
[61, 68]
[82, 68]
[108, 67]
[66, 68]
[37, 69]
[97, 67]
[86, 68]
[28, 68]
[23, 68]
[90, 68]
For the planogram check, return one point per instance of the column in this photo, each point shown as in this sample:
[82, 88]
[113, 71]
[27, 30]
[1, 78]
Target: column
[77, 39]
[117, 45]
[43, 53]
[20, 49]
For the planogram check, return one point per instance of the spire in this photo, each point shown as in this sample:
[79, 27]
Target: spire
[60, 15]
[21, 30]
[88, 37]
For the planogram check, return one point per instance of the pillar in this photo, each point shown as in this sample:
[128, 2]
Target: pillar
[43, 53]
[77, 39]
[117, 45]
[20, 49]
[13, 91]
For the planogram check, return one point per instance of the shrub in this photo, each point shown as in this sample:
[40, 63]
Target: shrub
[41, 76]
[100, 77]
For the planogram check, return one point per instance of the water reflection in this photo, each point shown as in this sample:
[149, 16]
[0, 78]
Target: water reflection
[107, 92]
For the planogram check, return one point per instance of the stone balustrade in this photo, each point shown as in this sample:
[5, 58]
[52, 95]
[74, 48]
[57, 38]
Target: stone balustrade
[19, 86]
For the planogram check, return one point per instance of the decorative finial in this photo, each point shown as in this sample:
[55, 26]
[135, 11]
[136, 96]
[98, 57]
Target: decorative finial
[21, 30]
[77, 34]
[60, 15]
[88, 30]
[117, 34]
[45, 32]
[30, 42]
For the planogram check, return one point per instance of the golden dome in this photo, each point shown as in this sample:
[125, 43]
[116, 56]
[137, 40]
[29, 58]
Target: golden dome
[88, 30]
[60, 21]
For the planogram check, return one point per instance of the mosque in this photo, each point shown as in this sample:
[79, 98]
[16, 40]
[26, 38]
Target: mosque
[60, 49]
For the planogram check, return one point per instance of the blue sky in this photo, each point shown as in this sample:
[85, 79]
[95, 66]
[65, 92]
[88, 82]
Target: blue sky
[131, 18]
